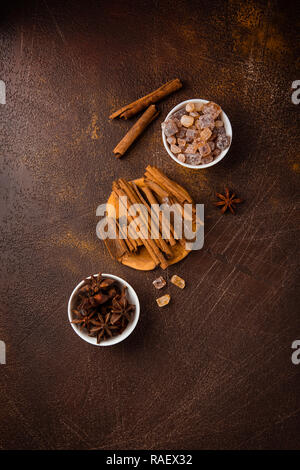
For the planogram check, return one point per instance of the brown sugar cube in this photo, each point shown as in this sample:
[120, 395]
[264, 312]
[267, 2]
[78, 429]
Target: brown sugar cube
[187, 121]
[212, 108]
[181, 143]
[199, 106]
[178, 281]
[175, 148]
[181, 157]
[208, 159]
[212, 145]
[191, 148]
[159, 283]
[177, 122]
[206, 120]
[204, 149]
[214, 134]
[205, 134]
[193, 158]
[216, 153]
[169, 127]
[190, 107]
[171, 140]
[222, 142]
[182, 133]
[178, 114]
[191, 134]
[164, 300]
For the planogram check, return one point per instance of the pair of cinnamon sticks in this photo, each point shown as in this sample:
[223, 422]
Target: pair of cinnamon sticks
[147, 117]
[155, 189]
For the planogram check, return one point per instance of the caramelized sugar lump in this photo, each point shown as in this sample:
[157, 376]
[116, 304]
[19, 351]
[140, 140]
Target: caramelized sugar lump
[164, 300]
[178, 281]
[196, 134]
[159, 283]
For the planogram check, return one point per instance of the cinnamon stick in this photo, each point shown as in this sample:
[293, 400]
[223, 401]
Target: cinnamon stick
[160, 241]
[136, 106]
[138, 127]
[144, 241]
[154, 174]
[166, 195]
[131, 246]
[144, 227]
[151, 198]
[117, 248]
[156, 188]
[118, 192]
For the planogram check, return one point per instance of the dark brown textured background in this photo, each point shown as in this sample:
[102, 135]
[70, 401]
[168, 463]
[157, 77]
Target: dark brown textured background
[213, 369]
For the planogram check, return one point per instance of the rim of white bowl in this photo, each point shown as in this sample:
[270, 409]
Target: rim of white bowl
[227, 125]
[133, 298]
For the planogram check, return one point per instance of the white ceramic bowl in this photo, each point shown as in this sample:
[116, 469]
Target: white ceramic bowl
[228, 130]
[132, 298]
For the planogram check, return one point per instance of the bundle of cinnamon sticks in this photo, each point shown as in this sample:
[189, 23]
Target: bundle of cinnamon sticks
[147, 117]
[154, 188]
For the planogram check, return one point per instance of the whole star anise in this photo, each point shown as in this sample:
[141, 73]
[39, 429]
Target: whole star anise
[228, 201]
[84, 319]
[121, 309]
[102, 327]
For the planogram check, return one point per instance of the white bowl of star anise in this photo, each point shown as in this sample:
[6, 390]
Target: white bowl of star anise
[103, 309]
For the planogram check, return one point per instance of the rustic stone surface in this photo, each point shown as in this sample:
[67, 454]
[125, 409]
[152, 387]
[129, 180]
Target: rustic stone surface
[226, 380]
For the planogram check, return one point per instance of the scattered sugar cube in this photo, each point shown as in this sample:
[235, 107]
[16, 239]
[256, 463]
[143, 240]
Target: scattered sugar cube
[159, 283]
[178, 281]
[164, 300]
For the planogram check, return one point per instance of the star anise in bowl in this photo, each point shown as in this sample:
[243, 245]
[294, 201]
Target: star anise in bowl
[100, 308]
[121, 309]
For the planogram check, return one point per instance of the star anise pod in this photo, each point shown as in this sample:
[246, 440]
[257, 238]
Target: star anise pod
[228, 201]
[102, 328]
[84, 319]
[107, 283]
[121, 309]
